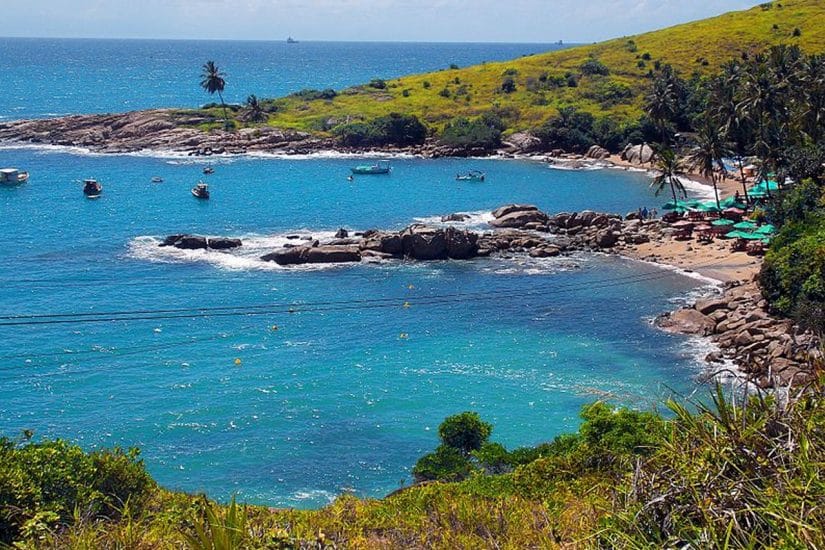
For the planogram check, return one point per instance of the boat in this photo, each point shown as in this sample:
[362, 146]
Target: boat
[380, 167]
[291, 40]
[157, 179]
[208, 170]
[472, 175]
[13, 176]
[200, 191]
[92, 189]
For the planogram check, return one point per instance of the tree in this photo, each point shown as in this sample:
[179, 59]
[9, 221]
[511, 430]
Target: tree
[212, 80]
[465, 432]
[253, 112]
[669, 169]
[706, 156]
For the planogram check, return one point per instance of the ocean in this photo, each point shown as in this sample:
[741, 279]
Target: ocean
[234, 394]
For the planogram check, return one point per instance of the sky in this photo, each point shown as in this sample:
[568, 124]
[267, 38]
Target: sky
[537, 21]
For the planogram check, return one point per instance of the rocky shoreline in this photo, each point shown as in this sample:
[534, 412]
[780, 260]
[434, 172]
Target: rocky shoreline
[764, 349]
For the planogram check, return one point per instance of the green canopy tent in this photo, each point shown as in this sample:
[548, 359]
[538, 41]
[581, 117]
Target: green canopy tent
[744, 235]
[762, 188]
[746, 225]
[708, 207]
[731, 202]
[766, 229]
[722, 222]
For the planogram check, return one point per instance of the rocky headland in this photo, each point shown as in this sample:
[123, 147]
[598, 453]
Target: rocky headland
[766, 349]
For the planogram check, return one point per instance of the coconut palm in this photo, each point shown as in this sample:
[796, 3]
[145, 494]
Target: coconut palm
[706, 156]
[254, 111]
[725, 111]
[212, 80]
[669, 167]
[661, 105]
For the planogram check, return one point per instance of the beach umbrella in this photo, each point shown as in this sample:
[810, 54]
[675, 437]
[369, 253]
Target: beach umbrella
[744, 235]
[722, 222]
[745, 224]
[766, 229]
[683, 223]
[734, 211]
[678, 205]
[708, 207]
[731, 202]
[702, 228]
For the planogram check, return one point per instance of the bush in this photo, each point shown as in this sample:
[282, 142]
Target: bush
[445, 464]
[378, 84]
[45, 483]
[483, 132]
[312, 95]
[393, 129]
[508, 85]
[465, 432]
[594, 67]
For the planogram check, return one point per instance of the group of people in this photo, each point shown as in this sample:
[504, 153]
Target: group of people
[645, 214]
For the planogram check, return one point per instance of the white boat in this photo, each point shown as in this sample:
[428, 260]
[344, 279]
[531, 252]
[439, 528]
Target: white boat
[157, 179]
[13, 176]
[200, 191]
[92, 189]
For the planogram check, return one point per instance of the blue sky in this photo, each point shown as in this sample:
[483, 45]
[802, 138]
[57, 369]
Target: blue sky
[402, 20]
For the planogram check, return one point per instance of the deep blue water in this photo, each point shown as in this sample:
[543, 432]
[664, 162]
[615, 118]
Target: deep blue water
[348, 391]
[50, 77]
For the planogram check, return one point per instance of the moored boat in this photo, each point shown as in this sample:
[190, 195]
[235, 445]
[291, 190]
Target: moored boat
[13, 176]
[200, 191]
[291, 40]
[92, 188]
[157, 179]
[208, 170]
[380, 167]
[472, 175]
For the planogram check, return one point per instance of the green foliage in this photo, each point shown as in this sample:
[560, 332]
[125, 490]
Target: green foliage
[394, 129]
[312, 95]
[446, 464]
[792, 277]
[465, 432]
[44, 483]
[508, 85]
[608, 432]
[593, 67]
[483, 132]
[218, 530]
[573, 130]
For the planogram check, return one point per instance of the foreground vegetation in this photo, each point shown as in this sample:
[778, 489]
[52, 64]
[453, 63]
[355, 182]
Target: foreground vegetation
[740, 473]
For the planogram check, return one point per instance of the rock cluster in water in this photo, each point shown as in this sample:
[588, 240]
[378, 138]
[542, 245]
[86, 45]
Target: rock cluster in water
[767, 349]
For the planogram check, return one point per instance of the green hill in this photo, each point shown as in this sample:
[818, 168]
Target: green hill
[607, 78]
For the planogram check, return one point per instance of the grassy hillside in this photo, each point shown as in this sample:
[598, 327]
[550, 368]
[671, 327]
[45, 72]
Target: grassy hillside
[546, 82]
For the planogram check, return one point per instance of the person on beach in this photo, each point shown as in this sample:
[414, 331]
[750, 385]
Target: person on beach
[653, 214]
[644, 212]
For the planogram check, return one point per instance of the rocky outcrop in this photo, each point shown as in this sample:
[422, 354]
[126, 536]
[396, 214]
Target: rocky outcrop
[518, 215]
[767, 349]
[522, 142]
[597, 152]
[195, 242]
[637, 154]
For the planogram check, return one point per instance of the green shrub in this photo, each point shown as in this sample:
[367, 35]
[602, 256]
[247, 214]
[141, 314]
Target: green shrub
[312, 95]
[51, 481]
[445, 464]
[482, 132]
[393, 129]
[593, 67]
[508, 85]
[378, 84]
[465, 432]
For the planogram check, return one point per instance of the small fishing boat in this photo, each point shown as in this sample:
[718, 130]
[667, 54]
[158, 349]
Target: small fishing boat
[291, 40]
[208, 170]
[13, 176]
[472, 175]
[200, 191]
[92, 189]
[157, 179]
[380, 167]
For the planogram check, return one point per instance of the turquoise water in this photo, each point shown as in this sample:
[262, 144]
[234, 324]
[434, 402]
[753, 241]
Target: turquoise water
[348, 392]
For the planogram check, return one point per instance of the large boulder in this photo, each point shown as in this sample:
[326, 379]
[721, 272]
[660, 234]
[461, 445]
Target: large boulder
[327, 254]
[516, 215]
[288, 256]
[461, 245]
[223, 243]
[523, 142]
[607, 238]
[707, 307]
[455, 217]
[637, 154]
[191, 242]
[688, 321]
[420, 242]
[597, 152]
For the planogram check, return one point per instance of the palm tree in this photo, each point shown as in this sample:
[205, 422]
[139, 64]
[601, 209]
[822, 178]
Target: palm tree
[213, 81]
[669, 169]
[706, 156]
[254, 110]
[661, 105]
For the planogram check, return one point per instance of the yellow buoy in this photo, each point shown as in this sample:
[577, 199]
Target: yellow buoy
[237, 361]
